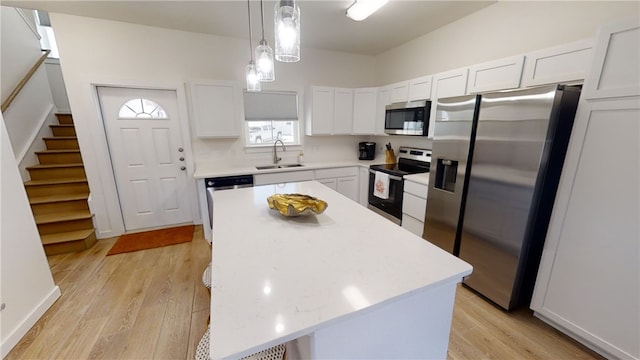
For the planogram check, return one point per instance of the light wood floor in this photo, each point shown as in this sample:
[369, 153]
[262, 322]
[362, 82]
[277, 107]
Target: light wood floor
[151, 304]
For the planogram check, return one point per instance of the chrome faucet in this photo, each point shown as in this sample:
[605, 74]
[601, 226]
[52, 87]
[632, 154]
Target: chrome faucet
[275, 150]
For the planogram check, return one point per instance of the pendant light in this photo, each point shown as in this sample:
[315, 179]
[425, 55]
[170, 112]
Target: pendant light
[253, 81]
[287, 31]
[264, 55]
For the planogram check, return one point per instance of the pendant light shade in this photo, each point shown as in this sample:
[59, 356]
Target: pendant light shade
[253, 80]
[251, 73]
[287, 31]
[264, 55]
[264, 62]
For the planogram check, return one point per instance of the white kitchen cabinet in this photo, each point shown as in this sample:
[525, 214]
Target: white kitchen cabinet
[320, 112]
[495, 75]
[216, 108]
[343, 180]
[615, 71]
[564, 63]
[282, 177]
[399, 92]
[363, 191]
[384, 99]
[342, 111]
[446, 84]
[588, 282]
[365, 102]
[420, 88]
[414, 205]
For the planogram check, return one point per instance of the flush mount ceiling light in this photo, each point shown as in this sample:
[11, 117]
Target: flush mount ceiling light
[361, 9]
[264, 55]
[253, 81]
[287, 28]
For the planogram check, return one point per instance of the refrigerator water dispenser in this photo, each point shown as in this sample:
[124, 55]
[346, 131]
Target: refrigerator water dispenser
[446, 174]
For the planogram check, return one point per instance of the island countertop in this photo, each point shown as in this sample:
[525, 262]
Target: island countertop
[275, 278]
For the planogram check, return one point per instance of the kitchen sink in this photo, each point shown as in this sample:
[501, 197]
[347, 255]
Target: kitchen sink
[283, 166]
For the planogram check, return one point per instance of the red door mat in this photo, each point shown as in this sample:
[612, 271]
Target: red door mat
[152, 239]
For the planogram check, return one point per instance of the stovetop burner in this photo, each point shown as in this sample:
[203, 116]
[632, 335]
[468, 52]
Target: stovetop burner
[410, 161]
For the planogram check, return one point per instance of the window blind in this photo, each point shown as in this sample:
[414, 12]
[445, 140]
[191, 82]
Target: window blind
[270, 105]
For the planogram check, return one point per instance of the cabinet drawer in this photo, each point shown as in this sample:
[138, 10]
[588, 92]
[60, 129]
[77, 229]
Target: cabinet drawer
[283, 177]
[416, 189]
[413, 205]
[336, 172]
[412, 224]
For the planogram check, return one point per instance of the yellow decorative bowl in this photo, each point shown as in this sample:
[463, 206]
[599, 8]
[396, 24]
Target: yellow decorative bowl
[296, 204]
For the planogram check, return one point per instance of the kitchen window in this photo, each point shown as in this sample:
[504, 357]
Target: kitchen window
[271, 116]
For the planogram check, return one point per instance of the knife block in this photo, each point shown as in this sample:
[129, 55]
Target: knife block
[390, 157]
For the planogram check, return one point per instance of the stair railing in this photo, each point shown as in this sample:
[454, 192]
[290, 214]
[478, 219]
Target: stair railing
[5, 105]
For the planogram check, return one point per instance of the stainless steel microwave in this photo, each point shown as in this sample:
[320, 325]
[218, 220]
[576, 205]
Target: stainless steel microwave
[407, 118]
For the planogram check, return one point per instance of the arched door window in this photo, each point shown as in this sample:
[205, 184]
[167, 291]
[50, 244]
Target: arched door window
[142, 109]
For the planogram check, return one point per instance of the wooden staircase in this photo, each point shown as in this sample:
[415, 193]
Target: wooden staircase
[58, 192]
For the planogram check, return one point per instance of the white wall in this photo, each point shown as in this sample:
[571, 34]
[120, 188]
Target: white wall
[503, 29]
[56, 83]
[20, 48]
[26, 285]
[32, 109]
[106, 52]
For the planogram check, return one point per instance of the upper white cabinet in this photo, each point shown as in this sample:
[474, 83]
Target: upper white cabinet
[329, 111]
[399, 92]
[320, 111]
[446, 84]
[342, 111]
[615, 71]
[450, 83]
[384, 98]
[216, 108]
[365, 101]
[563, 63]
[420, 88]
[495, 75]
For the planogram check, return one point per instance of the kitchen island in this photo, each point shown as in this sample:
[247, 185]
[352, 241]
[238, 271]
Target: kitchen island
[342, 284]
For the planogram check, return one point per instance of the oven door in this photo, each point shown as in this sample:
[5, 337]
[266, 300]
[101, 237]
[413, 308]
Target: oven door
[391, 208]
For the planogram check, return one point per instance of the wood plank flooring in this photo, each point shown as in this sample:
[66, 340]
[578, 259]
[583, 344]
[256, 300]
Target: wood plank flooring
[151, 304]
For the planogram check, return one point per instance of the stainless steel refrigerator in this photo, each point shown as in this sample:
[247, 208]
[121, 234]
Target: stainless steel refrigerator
[496, 164]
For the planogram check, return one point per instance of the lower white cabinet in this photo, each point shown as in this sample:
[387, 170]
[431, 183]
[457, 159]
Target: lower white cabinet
[414, 205]
[342, 180]
[282, 177]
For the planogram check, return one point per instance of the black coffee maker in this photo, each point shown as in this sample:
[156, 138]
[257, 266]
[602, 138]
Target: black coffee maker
[367, 150]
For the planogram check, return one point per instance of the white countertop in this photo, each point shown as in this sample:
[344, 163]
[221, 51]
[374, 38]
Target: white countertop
[204, 170]
[275, 279]
[422, 178]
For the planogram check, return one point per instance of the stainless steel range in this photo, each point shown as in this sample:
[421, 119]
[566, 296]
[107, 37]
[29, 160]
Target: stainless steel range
[410, 161]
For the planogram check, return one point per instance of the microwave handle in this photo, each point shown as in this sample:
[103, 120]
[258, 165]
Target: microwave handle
[391, 177]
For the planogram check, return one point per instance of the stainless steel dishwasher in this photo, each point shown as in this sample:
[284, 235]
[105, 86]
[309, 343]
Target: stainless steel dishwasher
[224, 183]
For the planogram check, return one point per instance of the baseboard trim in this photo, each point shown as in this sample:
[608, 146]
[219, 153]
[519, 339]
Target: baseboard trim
[21, 330]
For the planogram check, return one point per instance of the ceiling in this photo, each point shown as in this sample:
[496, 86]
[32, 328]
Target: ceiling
[323, 23]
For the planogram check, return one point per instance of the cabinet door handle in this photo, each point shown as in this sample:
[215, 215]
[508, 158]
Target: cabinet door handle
[183, 168]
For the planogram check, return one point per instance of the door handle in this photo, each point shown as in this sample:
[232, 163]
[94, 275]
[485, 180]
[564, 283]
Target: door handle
[180, 149]
[183, 168]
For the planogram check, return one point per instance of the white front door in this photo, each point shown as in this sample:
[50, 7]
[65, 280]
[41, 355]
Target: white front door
[148, 158]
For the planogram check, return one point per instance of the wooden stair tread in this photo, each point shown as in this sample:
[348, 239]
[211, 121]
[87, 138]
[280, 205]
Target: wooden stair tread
[65, 236]
[60, 138]
[54, 166]
[62, 216]
[59, 151]
[54, 181]
[57, 198]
